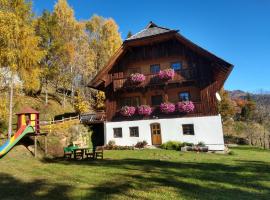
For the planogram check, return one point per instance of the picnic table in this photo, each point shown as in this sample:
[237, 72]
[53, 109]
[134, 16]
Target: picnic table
[83, 152]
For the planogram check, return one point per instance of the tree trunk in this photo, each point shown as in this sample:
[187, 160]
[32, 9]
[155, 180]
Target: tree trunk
[10, 107]
[46, 94]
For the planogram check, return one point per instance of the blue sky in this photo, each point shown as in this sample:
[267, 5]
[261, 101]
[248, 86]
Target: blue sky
[235, 30]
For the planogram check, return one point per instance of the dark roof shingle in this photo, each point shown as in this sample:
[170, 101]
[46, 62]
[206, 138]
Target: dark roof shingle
[150, 30]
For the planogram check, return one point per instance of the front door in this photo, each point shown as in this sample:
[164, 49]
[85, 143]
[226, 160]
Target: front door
[156, 134]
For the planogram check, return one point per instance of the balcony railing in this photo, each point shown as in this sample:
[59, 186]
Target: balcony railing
[200, 110]
[120, 81]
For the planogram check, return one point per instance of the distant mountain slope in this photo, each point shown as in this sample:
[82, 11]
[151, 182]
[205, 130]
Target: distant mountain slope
[263, 98]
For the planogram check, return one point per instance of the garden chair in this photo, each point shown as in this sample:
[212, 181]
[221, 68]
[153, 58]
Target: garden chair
[67, 152]
[99, 152]
[89, 153]
[78, 154]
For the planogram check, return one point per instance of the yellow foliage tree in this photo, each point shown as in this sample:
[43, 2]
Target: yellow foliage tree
[100, 100]
[80, 104]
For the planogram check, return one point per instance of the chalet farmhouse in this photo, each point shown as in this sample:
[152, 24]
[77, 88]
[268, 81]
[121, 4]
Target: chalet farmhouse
[159, 87]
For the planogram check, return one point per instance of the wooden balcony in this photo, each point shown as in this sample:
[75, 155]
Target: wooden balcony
[93, 118]
[121, 82]
[201, 109]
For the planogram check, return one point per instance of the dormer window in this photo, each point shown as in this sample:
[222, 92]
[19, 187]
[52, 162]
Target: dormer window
[176, 66]
[154, 69]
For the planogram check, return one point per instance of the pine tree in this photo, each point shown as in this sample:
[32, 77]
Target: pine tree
[129, 34]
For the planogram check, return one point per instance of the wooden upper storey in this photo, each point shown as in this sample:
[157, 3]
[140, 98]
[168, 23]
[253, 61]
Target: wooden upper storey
[160, 46]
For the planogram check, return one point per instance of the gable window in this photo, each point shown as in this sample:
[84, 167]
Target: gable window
[134, 131]
[154, 69]
[130, 101]
[117, 133]
[188, 129]
[156, 100]
[184, 96]
[176, 66]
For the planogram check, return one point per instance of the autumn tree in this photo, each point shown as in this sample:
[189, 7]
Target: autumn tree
[104, 38]
[226, 106]
[248, 109]
[19, 51]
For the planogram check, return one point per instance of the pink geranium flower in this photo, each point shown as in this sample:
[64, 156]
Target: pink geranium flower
[127, 111]
[185, 106]
[166, 74]
[144, 110]
[137, 78]
[167, 108]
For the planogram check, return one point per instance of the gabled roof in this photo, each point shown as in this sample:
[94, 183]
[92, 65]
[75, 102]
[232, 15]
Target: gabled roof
[153, 33]
[27, 110]
[150, 30]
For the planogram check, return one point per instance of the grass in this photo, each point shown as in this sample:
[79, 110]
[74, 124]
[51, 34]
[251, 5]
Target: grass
[140, 174]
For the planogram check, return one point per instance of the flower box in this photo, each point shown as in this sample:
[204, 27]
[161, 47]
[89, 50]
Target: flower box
[185, 106]
[166, 74]
[127, 111]
[137, 78]
[144, 110]
[167, 108]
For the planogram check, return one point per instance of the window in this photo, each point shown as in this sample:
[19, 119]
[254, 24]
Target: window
[176, 66]
[154, 69]
[130, 101]
[184, 96]
[156, 100]
[188, 129]
[117, 132]
[134, 131]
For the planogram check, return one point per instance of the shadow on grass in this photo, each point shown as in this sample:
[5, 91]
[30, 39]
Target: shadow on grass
[189, 180]
[12, 188]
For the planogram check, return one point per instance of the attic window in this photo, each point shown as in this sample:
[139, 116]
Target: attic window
[176, 66]
[154, 69]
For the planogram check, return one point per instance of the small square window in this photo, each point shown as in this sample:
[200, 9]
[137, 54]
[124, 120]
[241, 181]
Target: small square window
[134, 131]
[154, 69]
[156, 100]
[117, 132]
[176, 66]
[188, 129]
[184, 96]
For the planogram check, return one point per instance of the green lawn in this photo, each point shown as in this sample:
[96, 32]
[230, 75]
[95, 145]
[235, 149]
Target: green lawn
[142, 174]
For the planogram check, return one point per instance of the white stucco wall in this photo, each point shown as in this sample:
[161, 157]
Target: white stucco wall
[207, 129]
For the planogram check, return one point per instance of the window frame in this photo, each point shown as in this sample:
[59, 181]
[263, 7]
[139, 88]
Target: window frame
[179, 96]
[114, 132]
[156, 96]
[154, 65]
[123, 101]
[191, 130]
[137, 129]
[181, 65]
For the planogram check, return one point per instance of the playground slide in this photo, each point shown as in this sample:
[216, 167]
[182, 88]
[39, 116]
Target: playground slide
[10, 143]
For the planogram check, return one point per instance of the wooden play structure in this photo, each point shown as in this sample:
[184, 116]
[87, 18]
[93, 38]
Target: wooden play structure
[29, 116]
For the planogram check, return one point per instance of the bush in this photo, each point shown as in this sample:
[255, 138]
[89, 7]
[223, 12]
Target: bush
[201, 144]
[189, 144]
[112, 146]
[141, 145]
[172, 145]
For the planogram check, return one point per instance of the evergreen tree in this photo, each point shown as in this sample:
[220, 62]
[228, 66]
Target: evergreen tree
[129, 34]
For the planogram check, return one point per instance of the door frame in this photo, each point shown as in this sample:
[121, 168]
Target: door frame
[151, 130]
